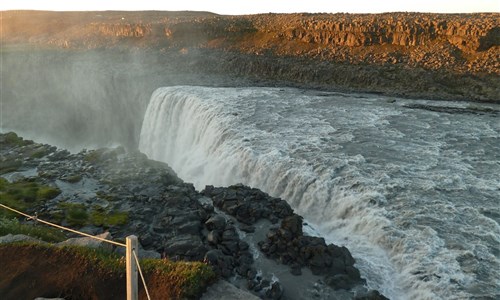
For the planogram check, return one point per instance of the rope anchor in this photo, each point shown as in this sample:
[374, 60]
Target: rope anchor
[34, 218]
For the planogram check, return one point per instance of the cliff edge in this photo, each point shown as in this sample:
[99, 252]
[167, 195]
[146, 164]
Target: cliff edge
[441, 56]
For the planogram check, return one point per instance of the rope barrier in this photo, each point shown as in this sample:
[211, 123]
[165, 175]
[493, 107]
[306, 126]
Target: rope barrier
[142, 276]
[36, 219]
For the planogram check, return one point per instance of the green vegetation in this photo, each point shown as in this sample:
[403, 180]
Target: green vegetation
[22, 195]
[40, 231]
[94, 156]
[75, 214]
[99, 217]
[180, 280]
[107, 197]
[12, 139]
[78, 215]
[38, 153]
[188, 279]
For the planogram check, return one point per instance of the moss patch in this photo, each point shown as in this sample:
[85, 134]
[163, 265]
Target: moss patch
[79, 215]
[24, 195]
[38, 153]
[107, 197]
[75, 214]
[13, 140]
[42, 232]
[100, 217]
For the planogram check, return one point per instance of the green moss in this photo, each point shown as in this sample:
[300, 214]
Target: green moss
[107, 197]
[39, 231]
[38, 153]
[23, 195]
[11, 138]
[56, 216]
[75, 214]
[47, 192]
[94, 156]
[100, 217]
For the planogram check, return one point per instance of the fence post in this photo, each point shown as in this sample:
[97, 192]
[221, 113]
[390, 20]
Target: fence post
[132, 289]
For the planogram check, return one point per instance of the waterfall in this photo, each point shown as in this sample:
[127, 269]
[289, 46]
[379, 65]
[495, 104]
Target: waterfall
[336, 160]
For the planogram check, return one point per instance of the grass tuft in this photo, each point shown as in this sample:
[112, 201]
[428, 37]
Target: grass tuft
[183, 280]
[44, 233]
[99, 217]
[24, 195]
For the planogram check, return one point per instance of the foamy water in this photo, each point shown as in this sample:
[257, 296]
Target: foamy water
[413, 194]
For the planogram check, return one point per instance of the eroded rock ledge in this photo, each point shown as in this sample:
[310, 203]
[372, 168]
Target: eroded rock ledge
[437, 56]
[238, 230]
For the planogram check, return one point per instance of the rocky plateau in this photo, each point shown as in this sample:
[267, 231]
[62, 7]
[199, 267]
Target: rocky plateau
[435, 56]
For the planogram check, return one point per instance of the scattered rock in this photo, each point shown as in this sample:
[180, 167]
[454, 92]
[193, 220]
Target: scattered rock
[170, 217]
[13, 238]
[90, 242]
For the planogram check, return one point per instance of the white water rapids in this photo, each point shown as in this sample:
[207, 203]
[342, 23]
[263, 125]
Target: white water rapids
[414, 194]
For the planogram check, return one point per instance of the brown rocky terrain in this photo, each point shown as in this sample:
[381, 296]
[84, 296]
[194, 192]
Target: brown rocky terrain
[441, 56]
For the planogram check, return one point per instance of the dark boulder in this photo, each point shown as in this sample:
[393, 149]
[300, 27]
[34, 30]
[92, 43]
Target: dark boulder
[288, 245]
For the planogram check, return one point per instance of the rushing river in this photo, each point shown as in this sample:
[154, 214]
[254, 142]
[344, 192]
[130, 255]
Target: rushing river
[413, 193]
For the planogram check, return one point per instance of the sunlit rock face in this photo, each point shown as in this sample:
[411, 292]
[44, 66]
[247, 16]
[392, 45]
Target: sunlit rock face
[436, 56]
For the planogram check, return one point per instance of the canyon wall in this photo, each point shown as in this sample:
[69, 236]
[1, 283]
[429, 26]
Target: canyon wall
[461, 48]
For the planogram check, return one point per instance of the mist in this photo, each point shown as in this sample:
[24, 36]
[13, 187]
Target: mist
[87, 99]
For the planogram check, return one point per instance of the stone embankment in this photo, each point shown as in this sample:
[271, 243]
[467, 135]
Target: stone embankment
[241, 232]
[385, 53]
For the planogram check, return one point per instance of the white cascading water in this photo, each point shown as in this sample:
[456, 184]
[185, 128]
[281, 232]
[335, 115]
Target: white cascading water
[375, 176]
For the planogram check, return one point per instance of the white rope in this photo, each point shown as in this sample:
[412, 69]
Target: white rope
[140, 273]
[35, 218]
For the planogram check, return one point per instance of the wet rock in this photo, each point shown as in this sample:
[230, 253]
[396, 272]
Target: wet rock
[216, 222]
[214, 237]
[275, 292]
[296, 270]
[288, 245]
[185, 246]
[223, 264]
[248, 205]
[171, 218]
[371, 295]
[247, 228]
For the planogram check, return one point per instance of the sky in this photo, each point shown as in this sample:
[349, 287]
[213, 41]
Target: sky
[234, 7]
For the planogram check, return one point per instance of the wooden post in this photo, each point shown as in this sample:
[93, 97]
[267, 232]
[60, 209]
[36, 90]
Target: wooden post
[132, 288]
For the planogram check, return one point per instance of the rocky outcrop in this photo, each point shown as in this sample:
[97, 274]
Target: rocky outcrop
[289, 245]
[436, 56]
[392, 38]
[402, 29]
[116, 193]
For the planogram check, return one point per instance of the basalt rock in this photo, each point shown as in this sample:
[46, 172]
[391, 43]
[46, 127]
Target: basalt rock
[175, 221]
[248, 205]
[288, 245]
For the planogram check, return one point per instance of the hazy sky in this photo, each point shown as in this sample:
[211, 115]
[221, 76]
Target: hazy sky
[262, 6]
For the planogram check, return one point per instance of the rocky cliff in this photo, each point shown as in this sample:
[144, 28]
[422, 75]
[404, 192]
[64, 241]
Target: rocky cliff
[448, 46]
[242, 233]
